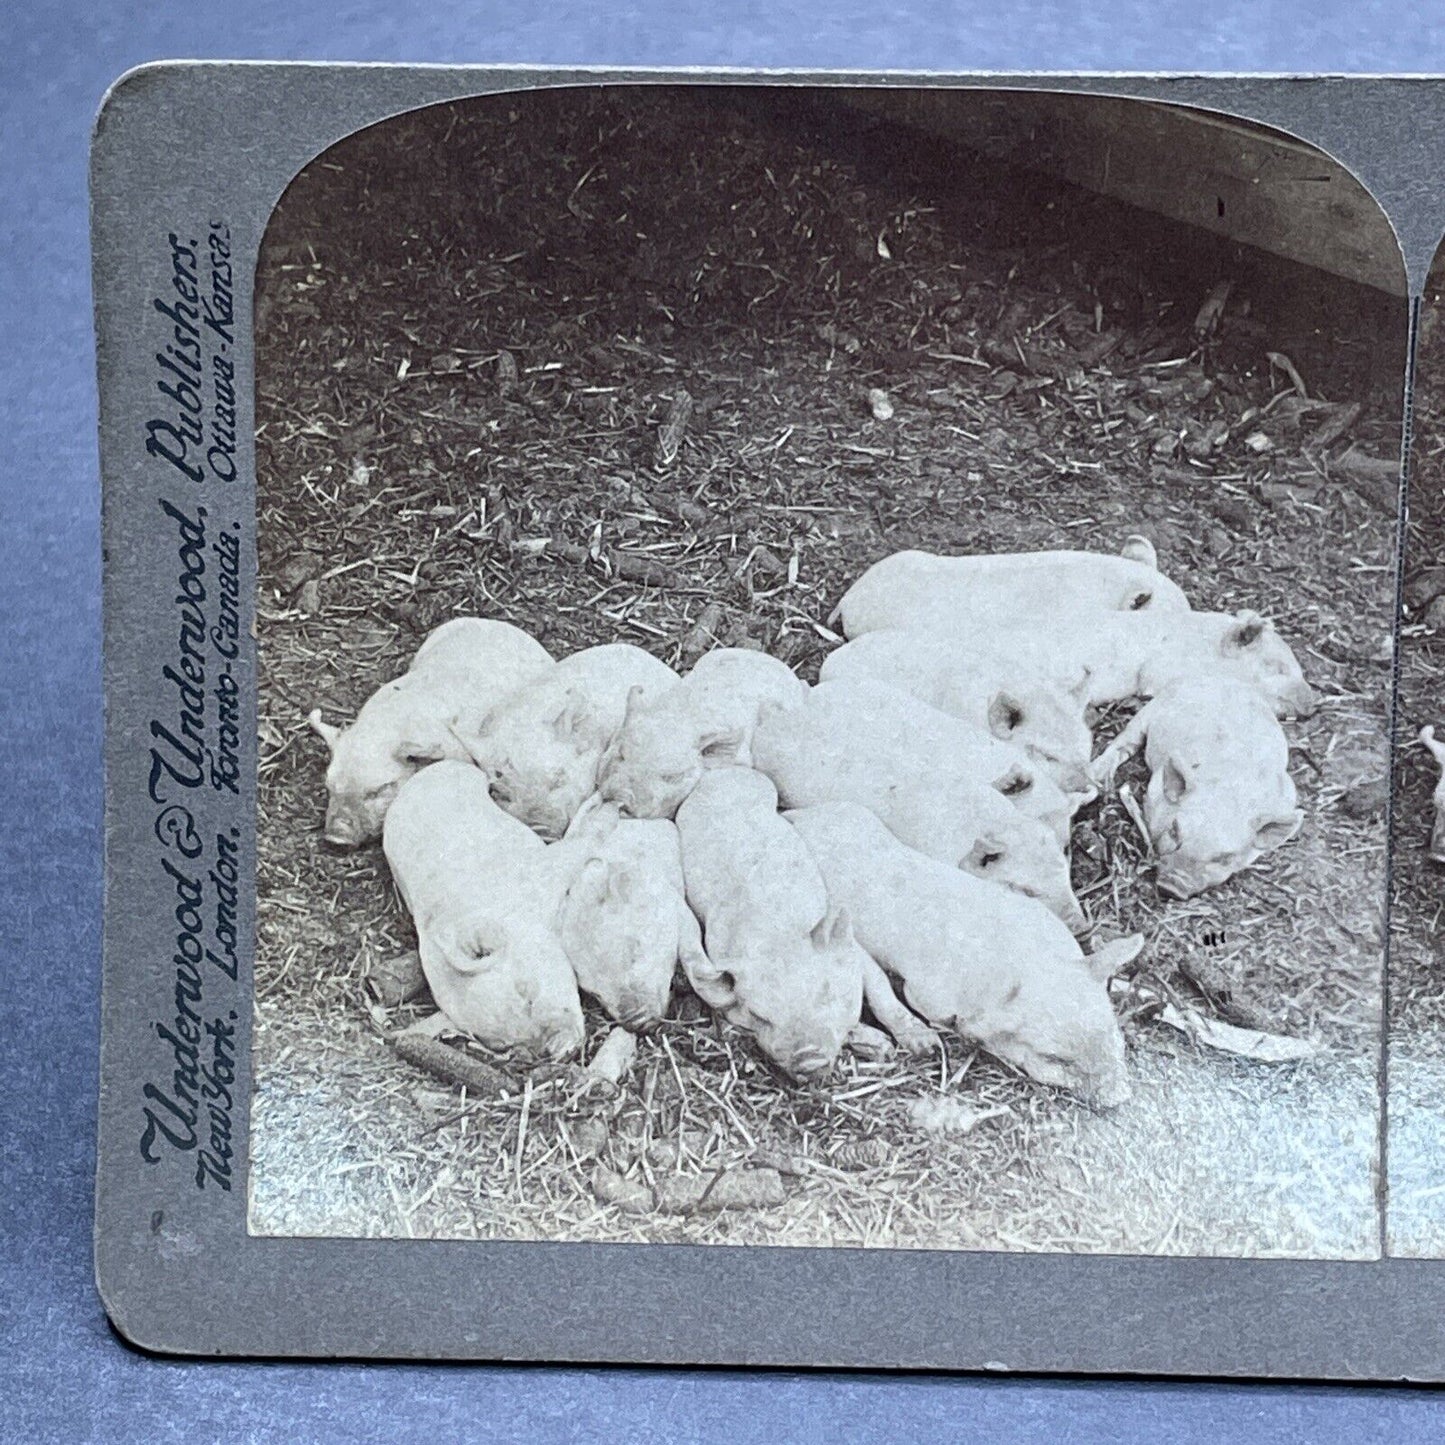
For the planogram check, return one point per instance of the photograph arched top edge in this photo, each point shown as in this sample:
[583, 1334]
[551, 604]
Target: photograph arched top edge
[233, 116]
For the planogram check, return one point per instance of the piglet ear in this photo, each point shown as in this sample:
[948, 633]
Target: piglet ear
[1016, 783]
[420, 748]
[1248, 628]
[1271, 832]
[1078, 688]
[572, 716]
[769, 708]
[468, 745]
[1175, 783]
[721, 747]
[327, 732]
[985, 853]
[1005, 715]
[589, 883]
[473, 949]
[832, 930]
[1138, 548]
[607, 759]
[634, 702]
[1107, 959]
[716, 987]
[595, 818]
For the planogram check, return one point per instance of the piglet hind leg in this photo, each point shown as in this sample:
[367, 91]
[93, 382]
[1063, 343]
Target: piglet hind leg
[690, 951]
[431, 1027]
[912, 1035]
[1108, 763]
[869, 1043]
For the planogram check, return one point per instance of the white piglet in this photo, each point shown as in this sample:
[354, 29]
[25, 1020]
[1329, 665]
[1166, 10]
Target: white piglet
[1140, 654]
[707, 720]
[1437, 830]
[483, 891]
[942, 811]
[998, 968]
[1220, 794]
[923, 592]
[624, 921]
[779, 962]
[459, 673]
[1112, 656]
[541, 746]
[867, 719]
[1030, 711]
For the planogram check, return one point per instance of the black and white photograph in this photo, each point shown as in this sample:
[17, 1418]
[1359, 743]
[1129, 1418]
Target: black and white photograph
[1416, 1069]
[825, 672]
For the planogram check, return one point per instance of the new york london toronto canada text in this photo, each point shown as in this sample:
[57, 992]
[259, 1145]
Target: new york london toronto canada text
[194, 768]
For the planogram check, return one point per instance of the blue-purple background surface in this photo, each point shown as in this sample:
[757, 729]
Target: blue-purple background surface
[63, 1375]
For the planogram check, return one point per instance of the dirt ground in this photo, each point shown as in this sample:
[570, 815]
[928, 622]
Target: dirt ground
[600, 363]
[1417, 980]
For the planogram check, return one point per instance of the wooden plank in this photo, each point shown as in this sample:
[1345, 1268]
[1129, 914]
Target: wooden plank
[1246, 182]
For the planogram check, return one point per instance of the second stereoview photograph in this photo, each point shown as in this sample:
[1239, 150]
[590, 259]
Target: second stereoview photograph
[1416, 1061]
[825, 673]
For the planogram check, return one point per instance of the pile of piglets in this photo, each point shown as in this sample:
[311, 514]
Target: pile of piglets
[894, 839]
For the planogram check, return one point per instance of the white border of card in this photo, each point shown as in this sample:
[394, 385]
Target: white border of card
[189, 161]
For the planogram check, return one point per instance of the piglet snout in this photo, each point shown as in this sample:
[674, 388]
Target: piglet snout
[343, 830]
[1303, 700]
[1109, 1094]
[807, 1063]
